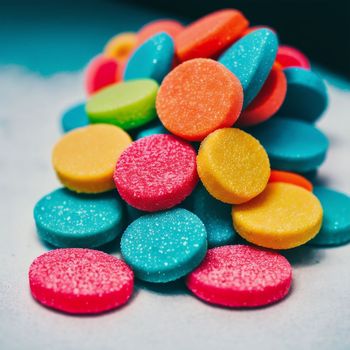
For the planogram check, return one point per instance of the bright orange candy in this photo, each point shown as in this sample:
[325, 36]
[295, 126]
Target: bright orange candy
[198, 97]
[268, 101]
[121, 46]
[292, 178]
[168, 26]
[210, 34]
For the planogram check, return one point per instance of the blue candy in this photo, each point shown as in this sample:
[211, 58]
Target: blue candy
[306, 97]
[74, 117]
[215, 215]
[153, 59]
[251, 59]
[291, 144]
[164, 246]
[67, 219]
[153, 130]
[335, 228]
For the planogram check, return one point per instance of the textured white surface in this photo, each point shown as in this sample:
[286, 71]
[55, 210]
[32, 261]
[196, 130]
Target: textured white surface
[316, 315]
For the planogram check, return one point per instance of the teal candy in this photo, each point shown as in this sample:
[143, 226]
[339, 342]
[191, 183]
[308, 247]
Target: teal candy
[164, 246]
[335, 228]
[67, 219]
[306, 97]
[215, 215]
[250, 59]
[157, 129]
[291, 144]
[74, 117]
[153, 59]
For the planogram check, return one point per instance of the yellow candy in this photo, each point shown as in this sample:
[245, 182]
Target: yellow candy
[283, 216]
[120, 46]
[85, 158]
[233, 166]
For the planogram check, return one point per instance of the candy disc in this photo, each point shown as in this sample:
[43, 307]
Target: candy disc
[74, 117]
[292, 178]
[67, 219]
[241, 276]
[335, 228]
[164, 246]
[156, 172]
[284, 216]
[80, 281]
[288, 56]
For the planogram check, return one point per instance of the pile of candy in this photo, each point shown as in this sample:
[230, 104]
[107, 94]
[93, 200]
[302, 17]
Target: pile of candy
[168, 197]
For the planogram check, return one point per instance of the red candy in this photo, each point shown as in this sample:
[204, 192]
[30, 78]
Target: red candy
[101, 72]
[156, 172]
[241, 276]
[80, 281]
[288, 56]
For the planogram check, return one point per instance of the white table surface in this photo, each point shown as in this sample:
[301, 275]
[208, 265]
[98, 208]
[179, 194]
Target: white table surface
[316, 314]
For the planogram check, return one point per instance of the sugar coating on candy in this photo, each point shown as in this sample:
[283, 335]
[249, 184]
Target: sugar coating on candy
[80, 281]
[101, 72]
[120, 46]
[292, 178]
[307, 96]
[292, 145]
[164, 246]
[215, 215]
[209, 35]
[241, 276]
[335, 228]
[232, 165]
[268, 101]
[74, 117]
[153, 59]
[284, 216]
[156, 172]
[84, 159]
[251, 59]
[288, 56]
[169, 26]
[198, 97]
[127, 104]
[66, 219]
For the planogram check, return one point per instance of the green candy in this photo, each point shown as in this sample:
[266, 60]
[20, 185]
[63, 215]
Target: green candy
[128, 104]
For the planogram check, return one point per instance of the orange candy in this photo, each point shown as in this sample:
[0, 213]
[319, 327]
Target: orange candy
[121, 46]
[268, 101]
[210, 34]
[198, 97]
[292, 178]
[168, 26]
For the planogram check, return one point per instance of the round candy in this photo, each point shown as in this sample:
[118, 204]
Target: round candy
[288, 56]
[306, 97]
[292, 178]
[156, 172]
[101, 72]
[169, 26]
[198, 97]
[291, 144]
[66, 219]
[153, 59]
[164, 246]
[209, 35]
[268, 101]
[74, 117]
[233, 166]
[251, 59]
[128, 104]
[85, 158]
[80, 281]
[215, 215]
[241, 276]
[121, 46]
[284, 216]
[153, 130]
[335, 228]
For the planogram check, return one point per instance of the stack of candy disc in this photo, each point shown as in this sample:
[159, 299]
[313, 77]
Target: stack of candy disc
[191, 139]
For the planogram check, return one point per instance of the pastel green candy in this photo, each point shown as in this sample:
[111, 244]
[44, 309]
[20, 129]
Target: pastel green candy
[67, 219]
[128, 104]
[164, 246]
